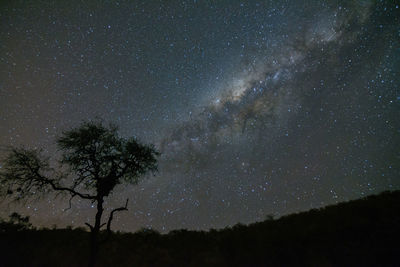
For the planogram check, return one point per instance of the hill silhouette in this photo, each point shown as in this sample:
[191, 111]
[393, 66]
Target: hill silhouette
[362, 232]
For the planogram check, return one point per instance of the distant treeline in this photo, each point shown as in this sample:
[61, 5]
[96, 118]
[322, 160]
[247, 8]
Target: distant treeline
[363, 232]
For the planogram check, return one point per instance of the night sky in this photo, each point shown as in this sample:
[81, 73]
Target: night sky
[258, 107]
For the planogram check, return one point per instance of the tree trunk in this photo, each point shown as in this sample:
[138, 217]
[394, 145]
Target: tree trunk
[94, 236]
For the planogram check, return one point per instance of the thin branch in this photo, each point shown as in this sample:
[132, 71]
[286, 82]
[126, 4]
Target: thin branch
[71, 191]
[112, 215]
[90, 226]
[37, 179]
[70, 204]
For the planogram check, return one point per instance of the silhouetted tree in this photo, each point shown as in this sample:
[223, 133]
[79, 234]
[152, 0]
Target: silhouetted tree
[16, 222]
[94, 159]
[20, 220]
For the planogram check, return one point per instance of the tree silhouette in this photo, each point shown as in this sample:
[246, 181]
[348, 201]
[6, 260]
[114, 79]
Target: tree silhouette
[93, 160]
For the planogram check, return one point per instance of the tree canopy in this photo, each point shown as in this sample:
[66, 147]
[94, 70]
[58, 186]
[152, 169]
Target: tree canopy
[94, 159]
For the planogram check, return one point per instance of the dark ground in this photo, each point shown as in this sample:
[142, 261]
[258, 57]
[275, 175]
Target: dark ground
[363, 232]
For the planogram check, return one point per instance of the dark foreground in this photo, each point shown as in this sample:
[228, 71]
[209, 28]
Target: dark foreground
[358, 233]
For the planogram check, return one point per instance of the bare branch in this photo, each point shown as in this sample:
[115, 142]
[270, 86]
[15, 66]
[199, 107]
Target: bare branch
[90, 226]
[112, 215]
[70, 204]
[23, 171]
[69, 190]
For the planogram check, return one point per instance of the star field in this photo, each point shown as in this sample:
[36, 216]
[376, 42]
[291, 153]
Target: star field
[258, 107]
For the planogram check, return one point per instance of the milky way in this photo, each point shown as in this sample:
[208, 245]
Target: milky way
[258, 108]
